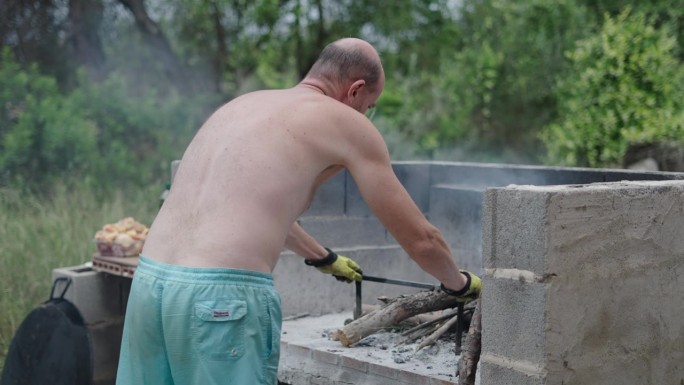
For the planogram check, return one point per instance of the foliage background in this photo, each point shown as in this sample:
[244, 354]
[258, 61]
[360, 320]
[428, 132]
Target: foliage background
[108, 91]
[98, 96]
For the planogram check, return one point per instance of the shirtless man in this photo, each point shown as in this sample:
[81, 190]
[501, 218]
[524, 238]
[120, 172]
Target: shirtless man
[202, 308]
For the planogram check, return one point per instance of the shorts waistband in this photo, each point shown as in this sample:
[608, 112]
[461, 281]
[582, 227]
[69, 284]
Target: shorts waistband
[204, 274]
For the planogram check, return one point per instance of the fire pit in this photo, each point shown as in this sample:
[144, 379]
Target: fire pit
[309, 356]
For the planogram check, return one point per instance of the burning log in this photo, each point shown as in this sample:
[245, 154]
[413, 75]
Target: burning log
[467, 364]
[396, 310]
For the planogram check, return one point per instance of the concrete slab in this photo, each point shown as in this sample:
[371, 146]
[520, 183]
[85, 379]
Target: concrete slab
[456, 210]
[330, 197]
[308, 356]
[345, 231]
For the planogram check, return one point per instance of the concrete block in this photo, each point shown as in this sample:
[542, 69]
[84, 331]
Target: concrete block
[382, 371]
[101, 299]
[497, 175]
[98, 296]
[353, 363]
[106, 342]
[330, 197]
[457, 211]
[340, 231]
[514, 229]
[411, 378]
[437, 381]
[495, 374]
[326, 357]
[484, 175]
[354, 203]
[631, 175]
[589, 273]
[514, 318]
[415, 177]
[616, 239]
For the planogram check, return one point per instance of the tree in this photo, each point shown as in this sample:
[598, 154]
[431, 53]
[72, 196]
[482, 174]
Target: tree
[626, 86]
[492, 90]
[85, 20]
[31, 28]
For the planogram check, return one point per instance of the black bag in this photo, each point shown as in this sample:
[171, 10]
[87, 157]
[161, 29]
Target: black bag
[51, 346]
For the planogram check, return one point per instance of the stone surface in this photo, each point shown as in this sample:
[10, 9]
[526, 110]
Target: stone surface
[309, 356]
[597, 288]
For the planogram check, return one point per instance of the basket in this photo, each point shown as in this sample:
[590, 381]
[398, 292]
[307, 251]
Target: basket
[113, 249]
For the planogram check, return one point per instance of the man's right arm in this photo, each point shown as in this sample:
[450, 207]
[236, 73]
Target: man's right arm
[369, 163]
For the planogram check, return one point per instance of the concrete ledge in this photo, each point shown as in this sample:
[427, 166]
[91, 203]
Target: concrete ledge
[99, 297]
[498, 373]
[308, 357]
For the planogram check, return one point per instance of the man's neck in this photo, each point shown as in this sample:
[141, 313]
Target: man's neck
[319, 85]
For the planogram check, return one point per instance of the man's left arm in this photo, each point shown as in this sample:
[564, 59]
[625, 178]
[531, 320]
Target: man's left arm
[323, 259]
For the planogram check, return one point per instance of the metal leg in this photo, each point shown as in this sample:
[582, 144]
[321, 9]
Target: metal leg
[460, 325]
[357, 309]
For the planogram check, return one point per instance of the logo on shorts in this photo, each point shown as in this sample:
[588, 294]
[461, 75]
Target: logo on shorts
[221, 313]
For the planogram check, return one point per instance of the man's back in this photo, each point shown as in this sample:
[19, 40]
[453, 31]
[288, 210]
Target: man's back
[251, 170]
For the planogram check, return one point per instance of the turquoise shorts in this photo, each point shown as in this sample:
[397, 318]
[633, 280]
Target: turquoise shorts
[191, 326]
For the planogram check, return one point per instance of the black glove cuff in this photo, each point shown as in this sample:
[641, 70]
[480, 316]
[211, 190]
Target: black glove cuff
[328, 260]
[458, 293]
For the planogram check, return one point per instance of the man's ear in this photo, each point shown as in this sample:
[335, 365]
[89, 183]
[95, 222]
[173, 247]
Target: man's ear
[355, 88]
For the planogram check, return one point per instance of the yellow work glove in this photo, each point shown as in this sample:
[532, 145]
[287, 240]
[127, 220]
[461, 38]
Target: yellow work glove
[471, 291]
[341, 267]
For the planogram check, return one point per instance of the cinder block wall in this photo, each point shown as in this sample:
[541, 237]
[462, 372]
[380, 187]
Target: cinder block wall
[451, 196]
[584, 284]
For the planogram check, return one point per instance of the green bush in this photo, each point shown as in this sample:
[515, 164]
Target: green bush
[43, 134]
[626, 86]
[138, 135]
[492, 91]
[101, 133]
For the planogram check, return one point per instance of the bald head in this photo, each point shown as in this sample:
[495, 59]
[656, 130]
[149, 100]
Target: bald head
[347, 60]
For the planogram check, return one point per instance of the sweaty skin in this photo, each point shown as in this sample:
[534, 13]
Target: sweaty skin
[254, 166]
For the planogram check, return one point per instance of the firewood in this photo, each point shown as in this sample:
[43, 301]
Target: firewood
[429, 322]
[470, 356]
[438, 333]
[419, 333]
[413, 334]
[396, 310]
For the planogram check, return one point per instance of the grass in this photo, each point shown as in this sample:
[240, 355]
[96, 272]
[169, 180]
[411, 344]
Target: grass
[39, 234]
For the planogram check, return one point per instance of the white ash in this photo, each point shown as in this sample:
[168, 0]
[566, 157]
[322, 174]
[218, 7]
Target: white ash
[382, 348]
